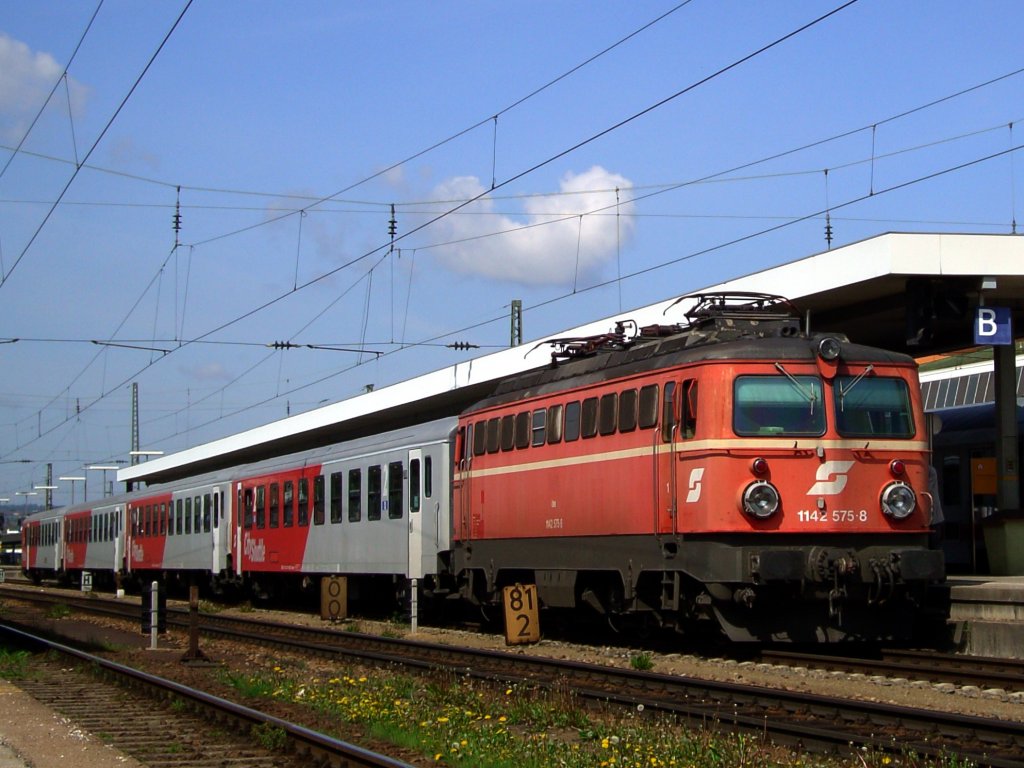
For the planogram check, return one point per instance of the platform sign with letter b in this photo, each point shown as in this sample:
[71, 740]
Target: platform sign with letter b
[993, 326]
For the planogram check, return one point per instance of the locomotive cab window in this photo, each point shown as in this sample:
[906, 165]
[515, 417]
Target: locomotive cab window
[778, 405]
[869, 407]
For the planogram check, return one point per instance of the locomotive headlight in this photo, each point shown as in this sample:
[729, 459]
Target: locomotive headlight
[829, 349]
[898, 500]
[761, 499]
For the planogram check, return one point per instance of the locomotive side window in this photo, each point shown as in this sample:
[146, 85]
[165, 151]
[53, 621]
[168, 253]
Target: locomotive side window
[778, 405]
[539, 423]
[289, 503]
[689, 409]
[355, 509]
[606, 418]
[589, 421]
[275, 505]
[869, 407]
[374, 489]
[303, 502]
[395, 470]
[493, 435]
[554, 424]
[318, 500]
[508, 432]
[647, 417]
[523, 430]
[668, 412]
[480, 439]
[336, 497]
[572, 421]
[627, 410]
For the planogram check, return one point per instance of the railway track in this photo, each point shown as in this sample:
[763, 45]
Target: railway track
[809, 721]
[973, 672]
[164, 723]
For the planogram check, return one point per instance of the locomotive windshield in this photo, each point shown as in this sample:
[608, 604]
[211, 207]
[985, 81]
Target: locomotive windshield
[778, 405]
[871, 407]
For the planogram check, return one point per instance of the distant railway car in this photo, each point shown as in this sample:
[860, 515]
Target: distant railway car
[737, 473]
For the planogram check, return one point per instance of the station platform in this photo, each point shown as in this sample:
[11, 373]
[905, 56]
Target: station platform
[987, 613]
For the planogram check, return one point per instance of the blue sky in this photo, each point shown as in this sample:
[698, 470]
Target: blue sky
[285, 126]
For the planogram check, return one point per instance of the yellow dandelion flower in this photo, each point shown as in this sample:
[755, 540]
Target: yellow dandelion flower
[442, 719]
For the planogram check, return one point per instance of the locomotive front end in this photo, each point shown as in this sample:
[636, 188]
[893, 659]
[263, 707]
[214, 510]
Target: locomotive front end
[828, 528]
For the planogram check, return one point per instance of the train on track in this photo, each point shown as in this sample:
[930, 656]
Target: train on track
[732, 474]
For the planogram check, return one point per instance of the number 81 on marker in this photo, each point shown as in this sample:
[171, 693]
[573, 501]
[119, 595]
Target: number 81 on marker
[522, 624]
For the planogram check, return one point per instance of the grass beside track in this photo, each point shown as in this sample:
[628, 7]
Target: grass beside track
[463, 723]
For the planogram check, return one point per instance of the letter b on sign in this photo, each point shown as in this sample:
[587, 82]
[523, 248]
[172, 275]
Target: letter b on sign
[992, 325]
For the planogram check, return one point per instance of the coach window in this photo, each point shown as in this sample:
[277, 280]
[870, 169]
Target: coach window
[480, 438]
[261, 506]
[508, 432]
[289, 503]
[572, 421]
[373, 492]
[275, 505]
[647, 417]
[206, 513]
[668, 412]
[554, 424]
[150, 527]
[197, 510]
[414, 485]
[318, 500]
[606, 418]
[178, 510]
[303, 502]
[170, 518]
[336, 497]
[163, 519]
[537, 428]
[188, 512]
[428, 477]
[589, 420]
[395, 500]
[355, 495]
[493, 435]
[627, 410]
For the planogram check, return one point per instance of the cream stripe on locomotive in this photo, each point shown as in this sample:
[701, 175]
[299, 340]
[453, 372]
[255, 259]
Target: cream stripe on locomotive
[699, 446]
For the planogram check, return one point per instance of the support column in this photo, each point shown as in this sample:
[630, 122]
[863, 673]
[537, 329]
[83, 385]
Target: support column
[1007, 452]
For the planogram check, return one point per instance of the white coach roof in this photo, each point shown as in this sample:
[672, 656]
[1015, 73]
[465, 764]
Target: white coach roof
[860, 289]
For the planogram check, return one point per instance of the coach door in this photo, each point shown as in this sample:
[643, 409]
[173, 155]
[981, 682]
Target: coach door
[221, 531]
[418, 528]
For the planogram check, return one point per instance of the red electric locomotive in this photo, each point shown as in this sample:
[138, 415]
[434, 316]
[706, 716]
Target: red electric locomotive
[735, 473]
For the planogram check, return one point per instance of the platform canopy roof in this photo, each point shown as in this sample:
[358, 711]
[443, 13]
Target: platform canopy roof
[913, 293]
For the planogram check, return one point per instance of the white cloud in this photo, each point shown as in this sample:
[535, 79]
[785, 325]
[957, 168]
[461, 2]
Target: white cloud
[206, 372]
[26, 79]
[550, 243]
